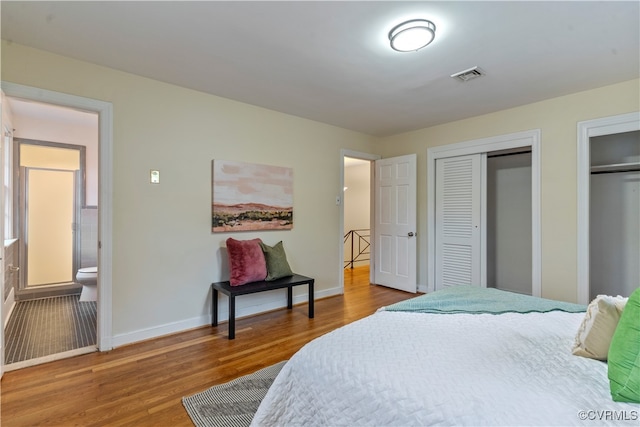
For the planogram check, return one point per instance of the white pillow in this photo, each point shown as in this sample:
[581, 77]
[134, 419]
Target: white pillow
[597, 328]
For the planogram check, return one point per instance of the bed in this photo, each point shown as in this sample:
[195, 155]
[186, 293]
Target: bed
[461, 356]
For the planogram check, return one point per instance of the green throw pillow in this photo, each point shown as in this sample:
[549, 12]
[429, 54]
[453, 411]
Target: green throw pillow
[277, 265]
[624, 354]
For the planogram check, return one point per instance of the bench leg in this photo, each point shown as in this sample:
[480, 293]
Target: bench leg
[311, 312]
[214, 308]
[232, 317]
[290, 297]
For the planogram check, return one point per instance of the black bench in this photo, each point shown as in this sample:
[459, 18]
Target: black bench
[251, 288]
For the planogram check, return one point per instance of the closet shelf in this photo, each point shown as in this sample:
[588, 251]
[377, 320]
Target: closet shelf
[617, 167]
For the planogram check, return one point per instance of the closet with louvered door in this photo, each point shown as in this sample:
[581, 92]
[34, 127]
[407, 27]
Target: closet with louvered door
[614, 214]
[483, 220]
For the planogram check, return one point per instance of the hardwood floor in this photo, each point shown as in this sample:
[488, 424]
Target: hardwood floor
[142, 384]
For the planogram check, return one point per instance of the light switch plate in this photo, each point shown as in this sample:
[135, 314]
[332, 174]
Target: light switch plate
[155, 177]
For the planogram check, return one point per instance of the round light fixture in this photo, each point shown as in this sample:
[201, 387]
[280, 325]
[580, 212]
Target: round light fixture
[412, 35]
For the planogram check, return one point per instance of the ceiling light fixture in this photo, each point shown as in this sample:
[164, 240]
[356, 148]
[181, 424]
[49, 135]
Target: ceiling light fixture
[412, 35]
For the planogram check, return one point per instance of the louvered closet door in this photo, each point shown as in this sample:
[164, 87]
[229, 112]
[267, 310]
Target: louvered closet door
[458, 187]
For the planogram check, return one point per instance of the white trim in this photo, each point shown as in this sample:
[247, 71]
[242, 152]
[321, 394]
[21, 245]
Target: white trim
[587, 129]
[363, 156]
[483, 220]
[50, 358]
[536, 229]
[529, 138]
[105, 198]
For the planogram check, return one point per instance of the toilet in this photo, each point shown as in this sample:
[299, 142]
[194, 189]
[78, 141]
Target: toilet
[88, 278]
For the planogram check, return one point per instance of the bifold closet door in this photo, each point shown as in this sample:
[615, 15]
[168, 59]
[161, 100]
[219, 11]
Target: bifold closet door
[458, 215]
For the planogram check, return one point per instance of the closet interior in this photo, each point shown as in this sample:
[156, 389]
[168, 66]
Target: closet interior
[614, 214]
[508, 226]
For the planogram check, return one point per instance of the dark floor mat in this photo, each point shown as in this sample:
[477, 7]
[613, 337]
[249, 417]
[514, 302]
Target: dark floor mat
[42, 327]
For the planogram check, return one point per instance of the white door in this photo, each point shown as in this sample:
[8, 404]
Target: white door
[395, 223]
[457, 222]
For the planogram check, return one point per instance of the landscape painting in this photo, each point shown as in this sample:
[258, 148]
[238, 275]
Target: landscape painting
[249, 196]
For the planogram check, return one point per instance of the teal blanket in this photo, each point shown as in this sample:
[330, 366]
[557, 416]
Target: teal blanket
[476, 300]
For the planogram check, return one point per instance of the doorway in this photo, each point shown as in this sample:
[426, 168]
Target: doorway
[50, 198]
[103, 212]
[357, 220]
[356, 225]
[608, 168]
[50, 193]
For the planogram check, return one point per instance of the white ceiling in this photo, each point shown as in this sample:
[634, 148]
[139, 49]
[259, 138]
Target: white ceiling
[331, 62]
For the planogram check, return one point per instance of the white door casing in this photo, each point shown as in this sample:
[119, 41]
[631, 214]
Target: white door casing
[458, 192]
[586, 130]
[105, 198]
[2, 134]
[395, 239]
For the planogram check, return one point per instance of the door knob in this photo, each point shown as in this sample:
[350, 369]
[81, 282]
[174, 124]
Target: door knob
[410, 234]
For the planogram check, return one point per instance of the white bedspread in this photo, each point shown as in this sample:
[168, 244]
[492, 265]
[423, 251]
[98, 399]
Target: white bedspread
[410, 369]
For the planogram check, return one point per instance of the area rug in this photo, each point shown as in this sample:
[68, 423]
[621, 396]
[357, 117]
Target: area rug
[233, 403]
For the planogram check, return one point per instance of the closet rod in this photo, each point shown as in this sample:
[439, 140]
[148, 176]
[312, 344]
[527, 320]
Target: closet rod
[615, 171]
[615, 168]
[511, 153]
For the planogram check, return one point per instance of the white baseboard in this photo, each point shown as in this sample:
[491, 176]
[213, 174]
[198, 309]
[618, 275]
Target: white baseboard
[244, 307]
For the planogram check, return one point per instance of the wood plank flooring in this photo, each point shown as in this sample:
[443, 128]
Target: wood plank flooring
[142, 384]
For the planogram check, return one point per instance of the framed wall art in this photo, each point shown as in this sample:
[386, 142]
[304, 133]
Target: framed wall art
[250, 196]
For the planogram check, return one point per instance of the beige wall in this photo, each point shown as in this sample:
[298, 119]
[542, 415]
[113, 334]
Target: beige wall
[164, 254]
[557, 119]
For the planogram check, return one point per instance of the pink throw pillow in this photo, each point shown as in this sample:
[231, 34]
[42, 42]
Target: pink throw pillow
[246, 261]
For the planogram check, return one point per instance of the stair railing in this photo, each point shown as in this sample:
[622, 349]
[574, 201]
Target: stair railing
[360, 242]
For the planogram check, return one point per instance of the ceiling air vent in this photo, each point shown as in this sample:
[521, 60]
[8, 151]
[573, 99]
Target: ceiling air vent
[469, 74]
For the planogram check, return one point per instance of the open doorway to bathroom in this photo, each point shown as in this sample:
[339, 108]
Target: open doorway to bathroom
[50, 312]
[357, 226]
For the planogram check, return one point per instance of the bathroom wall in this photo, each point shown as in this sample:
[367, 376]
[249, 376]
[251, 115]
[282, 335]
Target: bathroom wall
[89, 237]
[82, 130]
